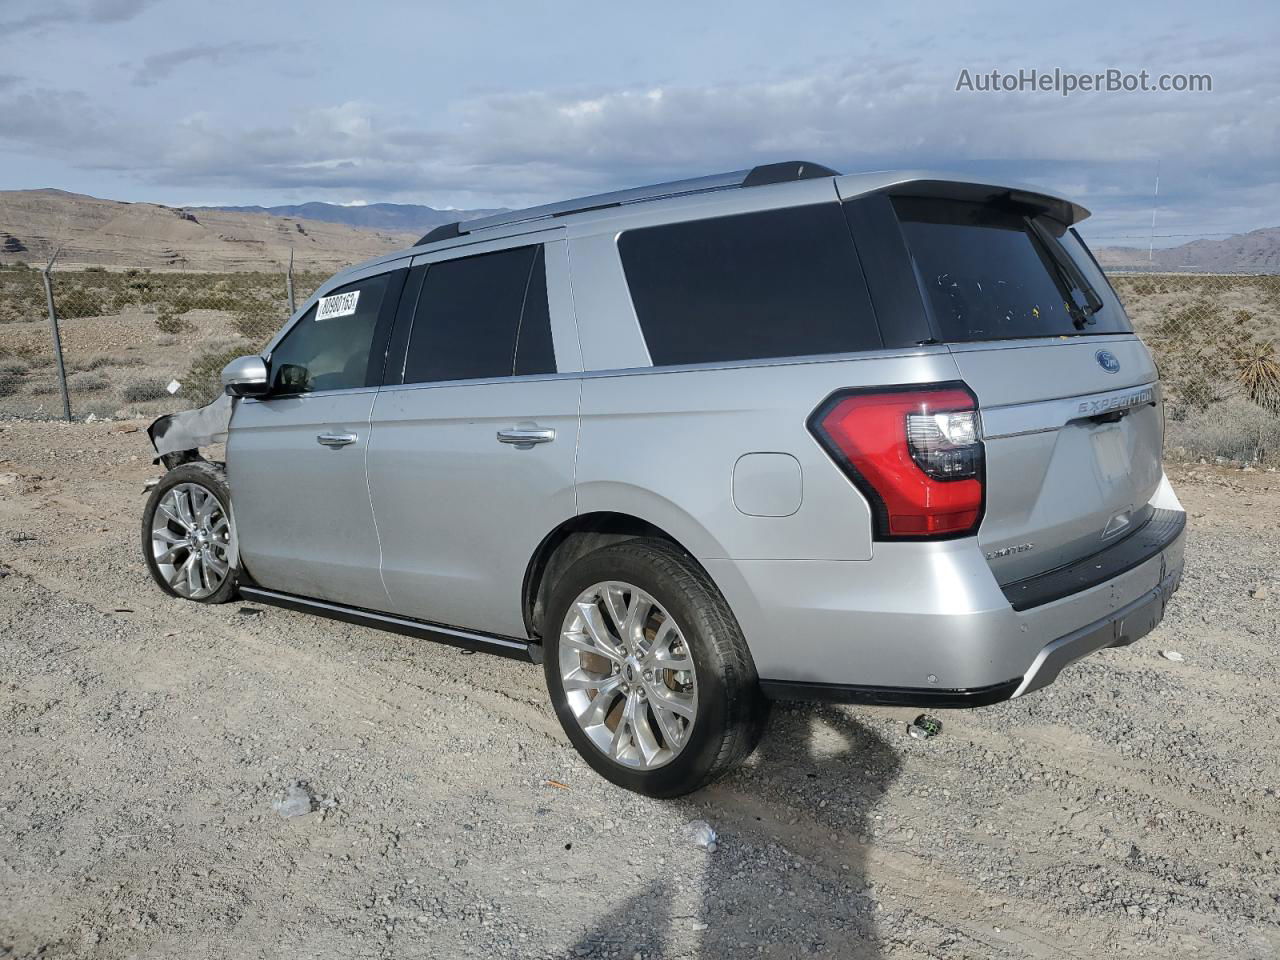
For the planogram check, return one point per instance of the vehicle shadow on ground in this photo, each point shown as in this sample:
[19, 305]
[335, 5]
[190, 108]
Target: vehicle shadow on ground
[739, 908]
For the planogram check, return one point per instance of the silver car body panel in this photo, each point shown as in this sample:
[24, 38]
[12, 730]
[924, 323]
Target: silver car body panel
[302, 509]
[819, 600]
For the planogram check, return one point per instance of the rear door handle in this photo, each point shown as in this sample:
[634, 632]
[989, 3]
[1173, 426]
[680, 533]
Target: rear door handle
[526, 437]
[336, 439]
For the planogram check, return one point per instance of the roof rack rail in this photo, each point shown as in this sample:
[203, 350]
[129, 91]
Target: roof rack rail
[755, 177]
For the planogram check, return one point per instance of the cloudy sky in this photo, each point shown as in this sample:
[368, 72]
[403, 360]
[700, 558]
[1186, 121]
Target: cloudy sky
[486, 103]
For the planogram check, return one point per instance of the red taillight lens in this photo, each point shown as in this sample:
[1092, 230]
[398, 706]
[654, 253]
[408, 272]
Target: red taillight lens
[915, 453]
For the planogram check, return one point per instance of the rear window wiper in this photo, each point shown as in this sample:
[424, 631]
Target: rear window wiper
[1069, 276]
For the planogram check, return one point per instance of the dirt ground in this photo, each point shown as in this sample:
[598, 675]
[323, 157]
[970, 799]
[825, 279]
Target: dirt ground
[1130, 810]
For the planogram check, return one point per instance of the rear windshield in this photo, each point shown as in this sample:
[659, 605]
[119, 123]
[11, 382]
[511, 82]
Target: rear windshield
[991, 273]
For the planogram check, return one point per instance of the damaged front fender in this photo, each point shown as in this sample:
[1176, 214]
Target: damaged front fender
[178, 437]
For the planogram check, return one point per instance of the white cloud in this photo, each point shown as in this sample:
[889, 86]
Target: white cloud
[1217, 149]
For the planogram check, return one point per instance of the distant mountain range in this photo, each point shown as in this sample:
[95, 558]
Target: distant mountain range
[395, 217]
[93, 232]
[1257, 251]
[325, 236]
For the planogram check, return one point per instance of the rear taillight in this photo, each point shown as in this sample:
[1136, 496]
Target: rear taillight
[914, 452]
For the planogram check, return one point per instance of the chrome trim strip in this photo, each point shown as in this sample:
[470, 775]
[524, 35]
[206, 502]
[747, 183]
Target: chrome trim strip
[1046, 416]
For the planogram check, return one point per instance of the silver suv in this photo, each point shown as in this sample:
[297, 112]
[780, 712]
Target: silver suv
[884, 438]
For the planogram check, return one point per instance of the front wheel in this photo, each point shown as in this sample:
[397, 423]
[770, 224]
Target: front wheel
[648, 670]
[188, 537]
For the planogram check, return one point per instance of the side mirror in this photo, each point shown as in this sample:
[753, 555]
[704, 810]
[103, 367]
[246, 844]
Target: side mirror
[245, 377]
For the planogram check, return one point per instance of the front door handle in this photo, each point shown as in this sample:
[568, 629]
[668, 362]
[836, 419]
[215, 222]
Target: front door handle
[526, 436]
[336, 439]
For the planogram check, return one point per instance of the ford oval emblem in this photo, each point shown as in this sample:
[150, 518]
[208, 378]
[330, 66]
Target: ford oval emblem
[1107, 361]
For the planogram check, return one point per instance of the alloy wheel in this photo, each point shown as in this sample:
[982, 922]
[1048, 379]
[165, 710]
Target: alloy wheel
[628, 675]
[191, 541]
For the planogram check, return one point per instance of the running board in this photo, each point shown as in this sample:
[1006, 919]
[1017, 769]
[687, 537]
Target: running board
[454, 637]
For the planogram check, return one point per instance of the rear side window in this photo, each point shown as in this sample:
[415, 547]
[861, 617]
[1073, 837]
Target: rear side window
[328, 348]
[991, 273]
[777, 283]
[482, 317]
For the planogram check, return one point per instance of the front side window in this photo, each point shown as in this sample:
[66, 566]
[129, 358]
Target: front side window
[482, 317]
[777, 283]
[328, 349]
[990, 272]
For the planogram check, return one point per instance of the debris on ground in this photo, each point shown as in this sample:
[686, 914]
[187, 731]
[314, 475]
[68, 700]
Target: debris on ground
[296, 802]
[702, 834]
[1173, 655]
[1258, 593]
[924, 727]
[557, 784]
[250, 612]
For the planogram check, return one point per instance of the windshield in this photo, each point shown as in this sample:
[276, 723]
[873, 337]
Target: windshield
[993, 273]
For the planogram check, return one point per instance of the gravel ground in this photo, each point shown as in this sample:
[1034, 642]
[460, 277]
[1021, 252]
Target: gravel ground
[1129, 810]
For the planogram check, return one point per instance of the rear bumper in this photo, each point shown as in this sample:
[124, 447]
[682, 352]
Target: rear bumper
[927, 624]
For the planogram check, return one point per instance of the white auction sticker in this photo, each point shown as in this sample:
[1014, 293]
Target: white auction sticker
[343, 305]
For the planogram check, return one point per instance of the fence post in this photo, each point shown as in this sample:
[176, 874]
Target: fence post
[57, 338]
[288, 282]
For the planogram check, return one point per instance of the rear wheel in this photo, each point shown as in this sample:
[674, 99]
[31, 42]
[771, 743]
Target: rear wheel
[648, 671]
[187, 535]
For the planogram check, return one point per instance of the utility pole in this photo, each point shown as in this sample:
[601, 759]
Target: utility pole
[288, 283]
[1151, 242]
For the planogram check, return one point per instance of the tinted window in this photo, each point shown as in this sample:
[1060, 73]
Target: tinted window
[471, 313]
[779, 283]
[534, 351]
[328, 349]
[991, 273]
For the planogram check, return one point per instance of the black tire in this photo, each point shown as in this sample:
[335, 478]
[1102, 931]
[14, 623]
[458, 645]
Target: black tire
[731, 712]
[213, 478]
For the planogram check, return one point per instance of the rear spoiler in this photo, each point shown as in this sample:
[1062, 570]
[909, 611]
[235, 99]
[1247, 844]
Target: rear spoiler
[958, 187]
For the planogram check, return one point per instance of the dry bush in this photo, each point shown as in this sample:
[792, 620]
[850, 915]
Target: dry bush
[1235, 429]
[87, 381]
[106, 360]
[171, 323]
[144, 389]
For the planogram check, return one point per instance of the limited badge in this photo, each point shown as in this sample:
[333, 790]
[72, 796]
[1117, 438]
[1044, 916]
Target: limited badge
[342, 305]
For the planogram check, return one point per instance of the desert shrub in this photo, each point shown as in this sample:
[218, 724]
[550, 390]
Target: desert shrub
[144, 389]
[171, 323]
[168, 340]
[86, 381]
[29, 353]
[105, 360]
[8, 385]
[1236, 429]
[78, 303]
[43, 387]
[13, 367]
[256, 322]
[203, 382]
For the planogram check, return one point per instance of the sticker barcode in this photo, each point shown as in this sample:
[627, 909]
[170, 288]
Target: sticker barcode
[342, 305]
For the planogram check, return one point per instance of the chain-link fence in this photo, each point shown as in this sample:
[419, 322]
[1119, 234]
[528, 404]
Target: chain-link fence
[128, 337]
[132, 341]
[1214, 336]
